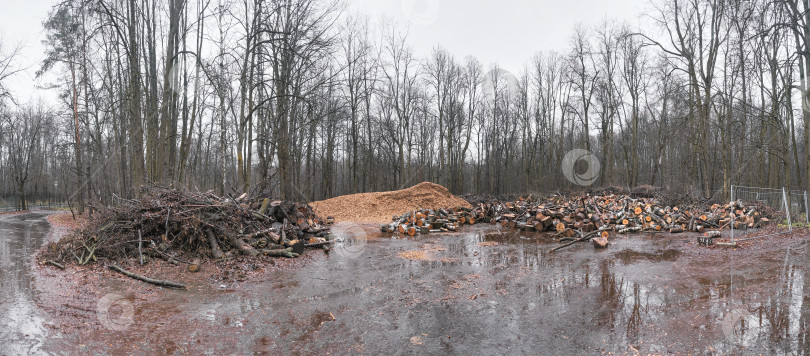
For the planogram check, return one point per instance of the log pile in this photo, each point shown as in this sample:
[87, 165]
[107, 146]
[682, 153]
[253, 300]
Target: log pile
[583, 214]
[430, 220]
[181, 226]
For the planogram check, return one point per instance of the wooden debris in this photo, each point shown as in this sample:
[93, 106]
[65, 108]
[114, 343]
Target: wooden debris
[198, 225]
[586, 213]
[55, 264]
[157, 282]
[194, 266]
[600, 242]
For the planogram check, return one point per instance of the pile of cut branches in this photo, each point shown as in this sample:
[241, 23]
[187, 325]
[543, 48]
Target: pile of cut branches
[181, 226]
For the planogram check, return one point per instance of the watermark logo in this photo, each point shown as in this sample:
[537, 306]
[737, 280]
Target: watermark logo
[115, 312]
[421, 12]
[351, 240]
[501, 82]
[569, 167]
[734, 324]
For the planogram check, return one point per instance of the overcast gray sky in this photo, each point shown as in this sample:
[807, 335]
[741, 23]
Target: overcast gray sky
[508, 32]
[21, 22]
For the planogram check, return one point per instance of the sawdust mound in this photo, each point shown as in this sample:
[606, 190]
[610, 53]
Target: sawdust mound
[379, 207]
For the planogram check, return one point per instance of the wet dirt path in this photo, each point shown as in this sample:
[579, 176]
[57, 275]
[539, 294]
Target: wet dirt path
[484, 291]
[22, 326]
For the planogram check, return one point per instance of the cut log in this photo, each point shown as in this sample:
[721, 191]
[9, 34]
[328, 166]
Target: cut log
[320, 243]
[212, 241]
[713, 234]
[705, 241]
[194, 266]
[240, 245]
[287, 252]
[600, 242]
[265, 205]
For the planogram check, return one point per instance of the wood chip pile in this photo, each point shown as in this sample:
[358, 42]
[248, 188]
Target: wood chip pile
[379, 207]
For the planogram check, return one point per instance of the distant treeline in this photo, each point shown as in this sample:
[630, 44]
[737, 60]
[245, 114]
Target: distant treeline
[302, 100]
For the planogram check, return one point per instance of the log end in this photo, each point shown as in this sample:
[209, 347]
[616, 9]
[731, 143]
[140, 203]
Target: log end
[600, 242]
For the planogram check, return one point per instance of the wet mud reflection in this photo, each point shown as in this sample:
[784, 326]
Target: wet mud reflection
[483, 291]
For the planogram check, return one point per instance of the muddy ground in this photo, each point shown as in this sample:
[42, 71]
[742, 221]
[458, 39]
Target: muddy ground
[483, 291]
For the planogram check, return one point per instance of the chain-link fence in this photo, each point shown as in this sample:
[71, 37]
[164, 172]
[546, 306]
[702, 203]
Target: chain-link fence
[790, 207]
[12, 203]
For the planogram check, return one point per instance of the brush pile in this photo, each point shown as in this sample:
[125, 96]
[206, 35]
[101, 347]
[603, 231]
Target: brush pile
[579, 215]
[182, 226]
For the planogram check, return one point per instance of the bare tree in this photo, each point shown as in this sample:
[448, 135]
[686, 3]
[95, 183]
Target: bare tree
[22, 131]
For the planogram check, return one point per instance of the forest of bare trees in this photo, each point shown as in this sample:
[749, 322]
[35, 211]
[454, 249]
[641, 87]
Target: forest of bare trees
[303, 100]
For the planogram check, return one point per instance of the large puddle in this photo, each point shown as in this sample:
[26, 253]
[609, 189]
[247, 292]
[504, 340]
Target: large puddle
[484, 291]
[23, 330]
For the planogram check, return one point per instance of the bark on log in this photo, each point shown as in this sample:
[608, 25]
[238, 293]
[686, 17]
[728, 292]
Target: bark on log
[583, 238]
[242, 246]
[265, 205]
[316, 244]
[287, 252]
[212, 240]
[55, 264]
[156, 282]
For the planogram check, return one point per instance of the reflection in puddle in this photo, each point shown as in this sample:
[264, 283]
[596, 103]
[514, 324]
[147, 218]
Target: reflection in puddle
[502, 291]
[22, 329]
[628, 256]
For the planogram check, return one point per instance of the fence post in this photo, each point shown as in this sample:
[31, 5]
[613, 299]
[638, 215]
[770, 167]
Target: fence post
[787, 209]
[732, 213]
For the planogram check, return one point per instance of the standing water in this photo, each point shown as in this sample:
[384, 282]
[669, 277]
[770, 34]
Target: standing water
[22, 329]
[482, 291]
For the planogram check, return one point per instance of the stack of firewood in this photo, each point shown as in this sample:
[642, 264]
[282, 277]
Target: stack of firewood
[430, 220]
[585, 214]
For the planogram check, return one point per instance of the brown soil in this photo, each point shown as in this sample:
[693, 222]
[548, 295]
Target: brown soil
[381, 206]
[65, 221]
